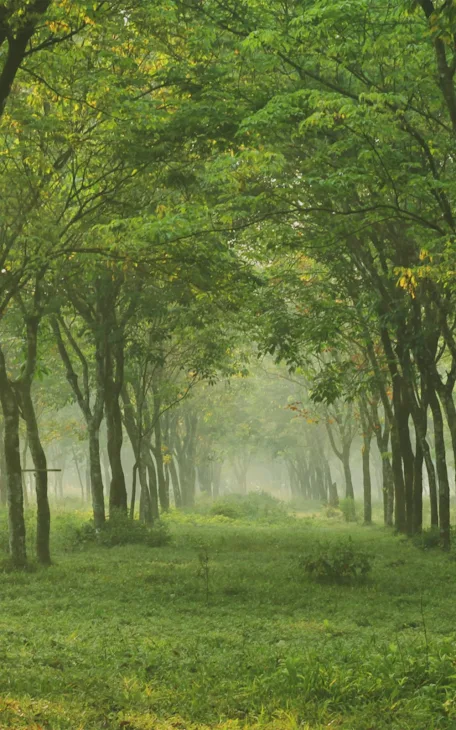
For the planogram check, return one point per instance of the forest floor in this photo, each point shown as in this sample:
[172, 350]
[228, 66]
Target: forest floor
[222, 628]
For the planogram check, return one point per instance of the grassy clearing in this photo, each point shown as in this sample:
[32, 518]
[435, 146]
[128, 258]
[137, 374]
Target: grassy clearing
[124, 637]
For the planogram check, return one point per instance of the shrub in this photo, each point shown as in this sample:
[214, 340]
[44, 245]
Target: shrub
[337, 563]
[332, 512]
[252, 506]
[226, 510]
[120, 530]
[348, 509]
[427, 539]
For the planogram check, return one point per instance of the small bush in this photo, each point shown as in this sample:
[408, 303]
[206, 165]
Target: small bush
[337, 563]
[252, 506]
[348, 509]
[226, 509]
[427, 539]
[332, 512]
[120, 530]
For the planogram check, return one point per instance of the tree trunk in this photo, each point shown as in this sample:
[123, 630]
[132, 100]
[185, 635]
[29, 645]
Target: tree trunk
[423, 452]
[349, 491]
[407, 460]
[332, 486]
[418, 489]
[176, 484]
[96, 479]
[446, 397]
[3, 490]
[163, 492]
[106, 471]
[400, 522]
[388, 491]
[24, 476]
[117, 489]
[43, 525]
[15, 499]
[153, 486]
[367, 482]
[133, 491]
[442, 471]
[113, 387]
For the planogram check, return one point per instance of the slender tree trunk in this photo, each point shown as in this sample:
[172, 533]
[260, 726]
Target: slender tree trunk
[398, 477]
[133, 491]
[397, 420]
[446, 397]
[407, 460]
[388, 491]
[106, 471]
[15, 499]
[332, 486]
[163, 492]
[365, 456]
[423, 452]
[24, 476]
[367, 482]
[442, 471]
[117, 489]
[349, 491]
[113, 387]
[3, 490]
[176, 484]
[418, 489]
[43, 525]
[96, 479]
[153, 485]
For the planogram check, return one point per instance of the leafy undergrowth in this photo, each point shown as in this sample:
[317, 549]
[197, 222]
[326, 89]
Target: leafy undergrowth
[139, 638]
[257, 507]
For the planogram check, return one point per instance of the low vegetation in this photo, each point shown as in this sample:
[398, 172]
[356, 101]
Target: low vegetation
[220, 627]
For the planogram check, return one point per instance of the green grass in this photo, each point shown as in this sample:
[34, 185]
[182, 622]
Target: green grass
[124, 637]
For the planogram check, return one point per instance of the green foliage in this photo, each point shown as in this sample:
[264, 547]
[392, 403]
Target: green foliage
[427, 539]
[226, 509]
[120, 530]
[340, 562]
[348, 508]
[332, 513]
[255, 506]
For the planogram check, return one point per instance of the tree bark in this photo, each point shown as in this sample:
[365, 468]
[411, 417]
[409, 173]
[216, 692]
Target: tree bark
[43, 526]
[15, 499]
[153, 487]
[442, 471]
[3, 490]
[113, 386]
[418, 489]
[388, 491]
[163, 492]
[349, 491]
[96, 479]
[176, 484]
